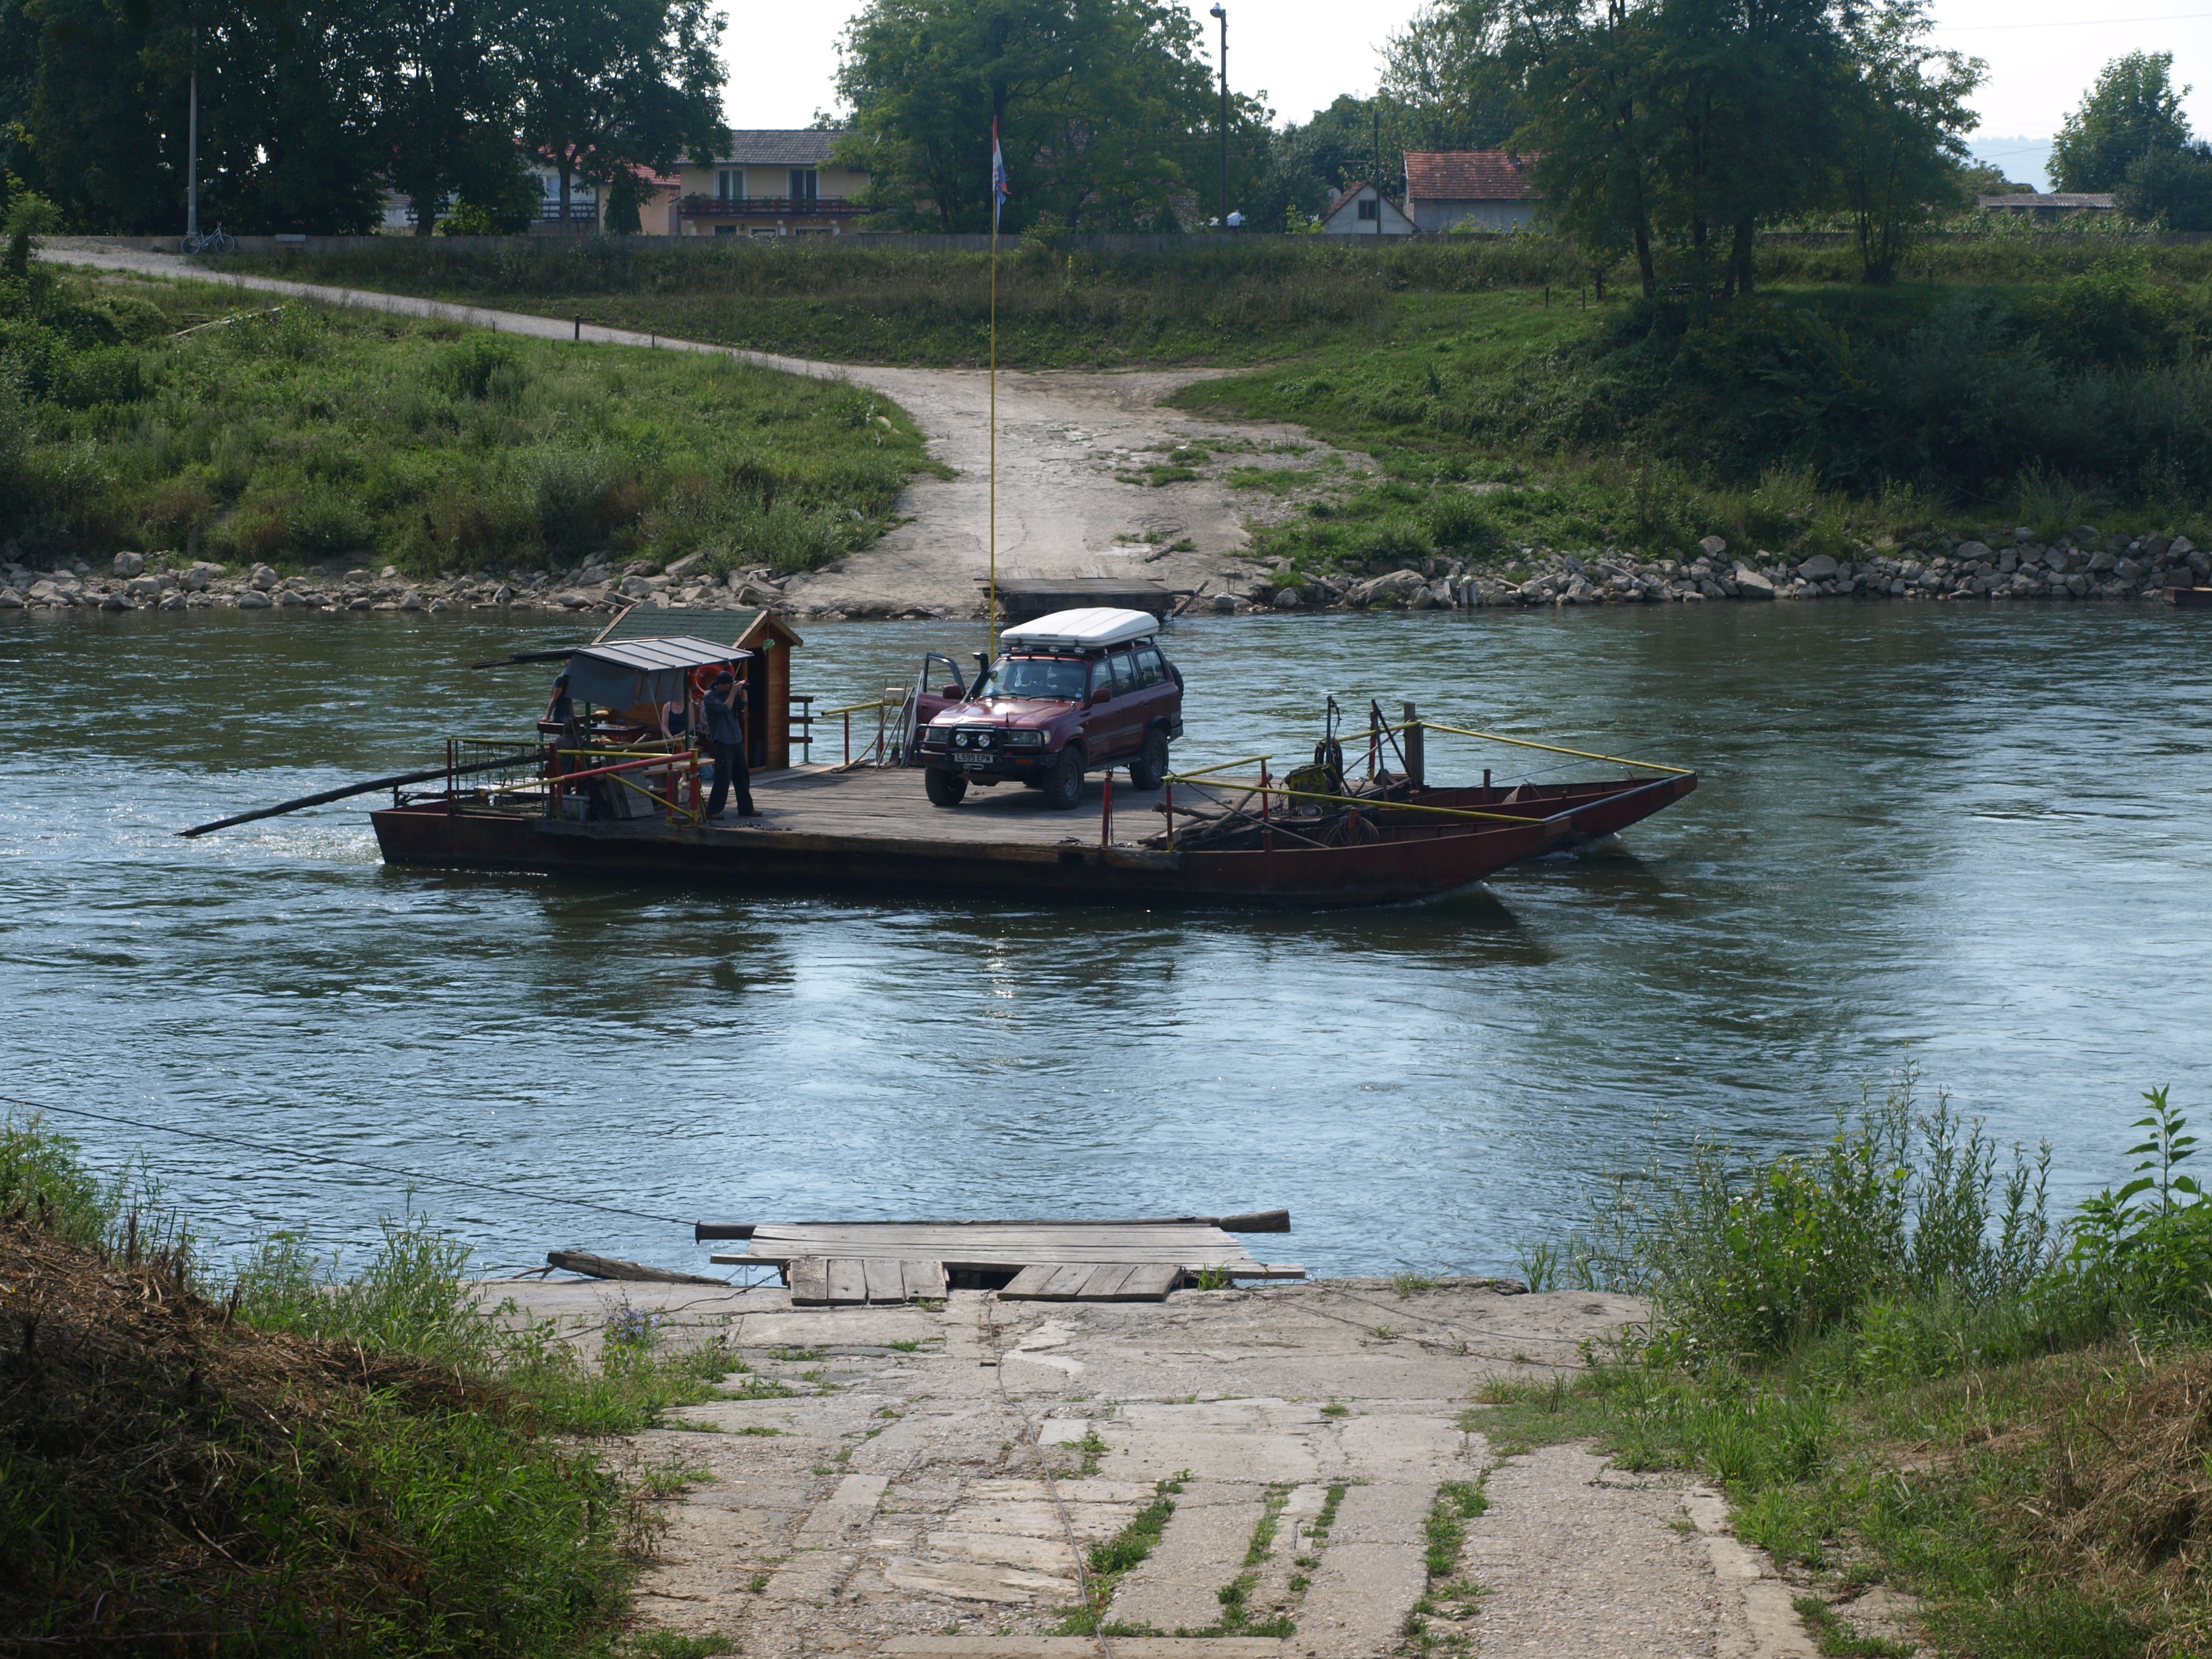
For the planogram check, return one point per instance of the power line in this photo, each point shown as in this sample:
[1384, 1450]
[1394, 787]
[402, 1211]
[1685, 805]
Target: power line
[351, 1163]
[2070, 23]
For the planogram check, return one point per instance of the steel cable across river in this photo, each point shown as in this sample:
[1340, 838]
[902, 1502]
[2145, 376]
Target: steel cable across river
[1978, 843]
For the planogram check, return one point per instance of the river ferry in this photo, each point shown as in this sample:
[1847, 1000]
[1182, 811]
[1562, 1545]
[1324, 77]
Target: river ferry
[612, 796]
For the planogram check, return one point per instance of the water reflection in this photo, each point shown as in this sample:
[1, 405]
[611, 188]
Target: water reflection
[1980, 832]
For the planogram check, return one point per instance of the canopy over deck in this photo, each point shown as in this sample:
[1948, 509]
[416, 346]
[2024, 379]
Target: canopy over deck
[1091, 629]
[627, 673]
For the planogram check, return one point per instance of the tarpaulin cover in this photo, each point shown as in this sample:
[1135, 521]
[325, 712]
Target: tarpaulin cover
[630, 674]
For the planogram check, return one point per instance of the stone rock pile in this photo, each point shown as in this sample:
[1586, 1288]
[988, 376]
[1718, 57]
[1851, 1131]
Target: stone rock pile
[171, 581]
[2081, 565]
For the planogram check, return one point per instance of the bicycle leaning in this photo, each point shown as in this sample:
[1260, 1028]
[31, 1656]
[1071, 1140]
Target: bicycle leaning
[218, 240]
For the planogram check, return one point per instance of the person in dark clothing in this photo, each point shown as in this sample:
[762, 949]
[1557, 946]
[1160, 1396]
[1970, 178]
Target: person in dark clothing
[726, 736]
[561, 711]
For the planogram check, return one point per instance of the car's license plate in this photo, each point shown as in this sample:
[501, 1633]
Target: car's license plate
[961, 759]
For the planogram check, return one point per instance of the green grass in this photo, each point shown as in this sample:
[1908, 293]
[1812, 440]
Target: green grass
[1902, 1373]
[364, 1464]
[312, 434]
[1816, 420]
[1057, 308]
[1113, 1557]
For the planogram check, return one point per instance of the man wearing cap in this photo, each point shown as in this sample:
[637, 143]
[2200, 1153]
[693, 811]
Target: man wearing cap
[726, 736]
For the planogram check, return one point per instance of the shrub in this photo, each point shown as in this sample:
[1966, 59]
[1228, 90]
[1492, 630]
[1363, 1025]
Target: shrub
[2145, 1252]
[1746, 1257]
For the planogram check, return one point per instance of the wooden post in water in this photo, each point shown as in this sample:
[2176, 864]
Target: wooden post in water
[1416, 750]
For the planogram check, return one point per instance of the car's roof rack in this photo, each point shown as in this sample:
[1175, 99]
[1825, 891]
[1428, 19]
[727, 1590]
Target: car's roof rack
[1090, 628]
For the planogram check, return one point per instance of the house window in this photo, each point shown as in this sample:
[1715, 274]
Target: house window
[805, 184]
[1369, 207]
[730, 185]
[726, 230]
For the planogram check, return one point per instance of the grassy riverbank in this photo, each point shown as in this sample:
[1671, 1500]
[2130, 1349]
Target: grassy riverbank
[1816, 421]
[2024, 379]
[152, 415]
[1908, 1375]
[278, 1462]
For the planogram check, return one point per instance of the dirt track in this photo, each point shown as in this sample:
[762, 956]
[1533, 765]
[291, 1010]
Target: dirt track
[1063, 437]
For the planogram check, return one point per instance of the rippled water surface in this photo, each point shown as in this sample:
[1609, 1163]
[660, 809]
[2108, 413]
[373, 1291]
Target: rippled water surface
[1980, 838]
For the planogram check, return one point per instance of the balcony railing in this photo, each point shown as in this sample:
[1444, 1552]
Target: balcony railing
[764, 207]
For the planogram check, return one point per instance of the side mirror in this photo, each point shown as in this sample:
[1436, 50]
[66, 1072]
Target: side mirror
[1103, 694]
[953, 692]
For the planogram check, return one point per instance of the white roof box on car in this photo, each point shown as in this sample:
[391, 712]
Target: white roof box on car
[1091, 629]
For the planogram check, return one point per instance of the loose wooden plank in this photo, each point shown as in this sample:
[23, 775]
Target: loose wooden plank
[1027, 1283]
[923, 1279]
[608, 1267]
[1066, 1280]
[1105, 1282]
[884, 1281]
[1149, 1283]
[848, 1282]
[810, 1281]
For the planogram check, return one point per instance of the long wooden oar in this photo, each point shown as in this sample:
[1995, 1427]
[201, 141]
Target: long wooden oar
[394, 782]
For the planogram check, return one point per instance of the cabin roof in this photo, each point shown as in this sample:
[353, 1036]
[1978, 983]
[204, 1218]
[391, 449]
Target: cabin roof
[1092, 628]
[750, 627]
[676, 650]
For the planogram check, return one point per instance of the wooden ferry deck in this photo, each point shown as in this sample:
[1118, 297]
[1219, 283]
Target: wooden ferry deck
[887, 802]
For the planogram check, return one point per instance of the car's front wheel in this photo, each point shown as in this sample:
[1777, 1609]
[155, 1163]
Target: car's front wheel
[1150, 765]
[1063, 785]
[946, 787]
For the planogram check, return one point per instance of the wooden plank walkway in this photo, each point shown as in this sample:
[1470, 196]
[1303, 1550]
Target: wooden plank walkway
[855, 1263]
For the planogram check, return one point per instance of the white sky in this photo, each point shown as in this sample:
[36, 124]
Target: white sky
[2042, 55]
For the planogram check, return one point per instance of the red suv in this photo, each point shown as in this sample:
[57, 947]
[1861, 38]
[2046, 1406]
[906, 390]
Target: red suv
[1071, 693]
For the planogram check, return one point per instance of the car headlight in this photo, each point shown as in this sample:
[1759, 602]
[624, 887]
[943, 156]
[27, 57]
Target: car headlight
[1024, 739]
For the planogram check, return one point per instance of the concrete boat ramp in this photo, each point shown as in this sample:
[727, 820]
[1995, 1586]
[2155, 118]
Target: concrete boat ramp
[927, 1479]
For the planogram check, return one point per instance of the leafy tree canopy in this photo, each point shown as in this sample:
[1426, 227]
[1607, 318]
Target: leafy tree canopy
[2132, 112]
[1107, 114]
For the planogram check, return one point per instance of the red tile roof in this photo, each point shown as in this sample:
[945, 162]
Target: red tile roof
[1468, 175]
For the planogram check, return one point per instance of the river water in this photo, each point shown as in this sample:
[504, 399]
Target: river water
[1975, 839]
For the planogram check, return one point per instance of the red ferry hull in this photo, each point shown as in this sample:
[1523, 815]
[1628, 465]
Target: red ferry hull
[1406, 867]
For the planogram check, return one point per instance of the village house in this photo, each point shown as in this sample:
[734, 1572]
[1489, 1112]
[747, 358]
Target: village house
[1484, 189]
[769, 182]
[1364, 211]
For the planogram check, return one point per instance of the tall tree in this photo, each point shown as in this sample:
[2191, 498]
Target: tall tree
[1902, 107]
[1103, 109]
[1445, 76]
[609, 85]
[445, 84]
[2133, 111]
[2173, 186]
[1595, 116]
[283, 113]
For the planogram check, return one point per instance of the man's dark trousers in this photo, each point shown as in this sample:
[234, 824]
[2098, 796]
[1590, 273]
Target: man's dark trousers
[729, 765]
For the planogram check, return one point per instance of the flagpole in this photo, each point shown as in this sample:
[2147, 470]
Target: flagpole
[994, 431]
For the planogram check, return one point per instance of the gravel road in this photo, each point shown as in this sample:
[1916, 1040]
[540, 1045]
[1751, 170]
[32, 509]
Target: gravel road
[1067, 442]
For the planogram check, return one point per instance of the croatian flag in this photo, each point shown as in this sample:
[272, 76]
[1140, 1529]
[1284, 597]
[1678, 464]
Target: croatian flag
[999, 189]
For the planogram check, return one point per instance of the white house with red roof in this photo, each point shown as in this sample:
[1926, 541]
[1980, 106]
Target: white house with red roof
[1488, 189]
[1363, 210]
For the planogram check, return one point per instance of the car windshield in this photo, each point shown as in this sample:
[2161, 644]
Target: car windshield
[1037, 677]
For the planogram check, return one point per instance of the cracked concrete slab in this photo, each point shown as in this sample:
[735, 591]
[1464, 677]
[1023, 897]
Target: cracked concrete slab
[900, 1508]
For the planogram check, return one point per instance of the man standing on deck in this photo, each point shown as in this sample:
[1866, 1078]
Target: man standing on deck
[726, 735]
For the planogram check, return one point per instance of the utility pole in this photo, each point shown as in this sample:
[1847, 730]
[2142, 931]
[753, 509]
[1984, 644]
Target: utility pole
[192, 146]
[1221, 12]
[1378, 164]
